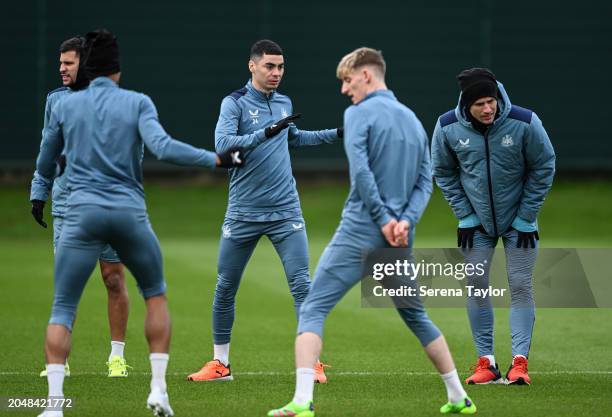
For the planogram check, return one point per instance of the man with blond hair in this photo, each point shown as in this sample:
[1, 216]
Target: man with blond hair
[390, 171]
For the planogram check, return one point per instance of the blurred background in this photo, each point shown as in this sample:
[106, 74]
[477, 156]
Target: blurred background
[553, 57]
[188, 55]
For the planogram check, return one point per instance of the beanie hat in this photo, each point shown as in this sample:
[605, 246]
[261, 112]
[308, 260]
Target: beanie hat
[476, 83]
[103, 53]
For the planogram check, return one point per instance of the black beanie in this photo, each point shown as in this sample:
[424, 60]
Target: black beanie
[476, 83]
[103, 53]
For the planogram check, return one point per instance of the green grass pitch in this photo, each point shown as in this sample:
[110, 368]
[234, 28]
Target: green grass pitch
[378, 367]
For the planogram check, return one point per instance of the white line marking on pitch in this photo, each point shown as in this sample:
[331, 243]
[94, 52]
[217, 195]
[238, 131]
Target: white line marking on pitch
[341, 373]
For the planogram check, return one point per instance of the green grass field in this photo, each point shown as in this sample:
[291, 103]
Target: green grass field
[378, 367]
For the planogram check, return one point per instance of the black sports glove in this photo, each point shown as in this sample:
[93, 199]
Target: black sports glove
[465, 236]
[233, 157]
[61, 163]
[277, 127]
[37, 212]
[340, 132]
[527, 239]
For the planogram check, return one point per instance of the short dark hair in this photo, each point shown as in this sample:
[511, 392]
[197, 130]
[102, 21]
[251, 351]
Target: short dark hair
[265, 46]
[72, 44]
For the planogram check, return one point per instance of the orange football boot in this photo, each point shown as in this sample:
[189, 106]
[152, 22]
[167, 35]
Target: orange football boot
[212, 371]
[319, 376]
[517, 374]
[484, 373]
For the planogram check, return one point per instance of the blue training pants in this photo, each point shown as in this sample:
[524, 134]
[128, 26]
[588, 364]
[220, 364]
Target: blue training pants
[86, 231]
[520, 264]
[340, 268]
[108, 253]
[238, 240]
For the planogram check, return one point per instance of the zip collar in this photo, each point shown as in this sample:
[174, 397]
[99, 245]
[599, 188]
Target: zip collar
[260, 95]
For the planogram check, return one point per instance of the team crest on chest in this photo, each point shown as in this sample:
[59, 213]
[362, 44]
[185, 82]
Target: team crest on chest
[507, 141]
[254, 116]
[284, 113]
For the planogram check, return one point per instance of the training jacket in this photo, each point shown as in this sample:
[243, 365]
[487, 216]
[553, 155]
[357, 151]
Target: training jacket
[102, 130]
[500, 176]
[264, 189]
[390, 169]
[39, 187]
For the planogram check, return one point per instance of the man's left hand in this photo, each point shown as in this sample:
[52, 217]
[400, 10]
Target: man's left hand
[400, 231]
[527, 239]
[232, 158]
[388, 231]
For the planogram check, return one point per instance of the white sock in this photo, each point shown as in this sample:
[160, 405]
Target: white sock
[454, 389]
[159, 363]
[55, 379]
[491, 359]
[221, 352]
[304, 385]
[116, 349]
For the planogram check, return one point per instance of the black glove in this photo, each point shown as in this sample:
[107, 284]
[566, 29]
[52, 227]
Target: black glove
[37, 212]
[465, 236]
[233, 157]
[527, 239]
[61, 164]
[277, 127]
[340, 132]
